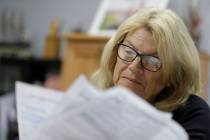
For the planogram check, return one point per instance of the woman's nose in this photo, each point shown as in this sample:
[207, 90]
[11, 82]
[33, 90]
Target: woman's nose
[136, 65]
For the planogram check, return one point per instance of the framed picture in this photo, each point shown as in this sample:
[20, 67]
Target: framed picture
[112, 13]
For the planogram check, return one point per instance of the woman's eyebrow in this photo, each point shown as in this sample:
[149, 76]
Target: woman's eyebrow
[133, 46]
[130, 43]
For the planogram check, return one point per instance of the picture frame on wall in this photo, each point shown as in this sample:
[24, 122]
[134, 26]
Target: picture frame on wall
[111, 13]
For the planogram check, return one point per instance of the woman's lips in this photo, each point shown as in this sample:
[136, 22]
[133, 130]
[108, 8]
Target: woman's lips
[132, 80]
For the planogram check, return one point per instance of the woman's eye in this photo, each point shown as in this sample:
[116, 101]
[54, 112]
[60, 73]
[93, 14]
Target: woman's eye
[129, 51]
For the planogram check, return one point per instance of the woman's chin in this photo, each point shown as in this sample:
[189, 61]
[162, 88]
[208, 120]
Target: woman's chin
[131, 86]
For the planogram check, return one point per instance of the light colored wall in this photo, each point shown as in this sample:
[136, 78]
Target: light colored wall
[39, 13]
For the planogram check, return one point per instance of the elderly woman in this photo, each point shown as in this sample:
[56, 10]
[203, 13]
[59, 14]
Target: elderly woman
[153, 55]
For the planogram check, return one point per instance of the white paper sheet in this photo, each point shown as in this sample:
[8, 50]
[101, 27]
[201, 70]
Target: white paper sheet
[76, 96]
[86, 113]
[117, 115]
[34, 104]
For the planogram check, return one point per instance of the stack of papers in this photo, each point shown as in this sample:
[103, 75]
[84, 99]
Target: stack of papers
[87, 113]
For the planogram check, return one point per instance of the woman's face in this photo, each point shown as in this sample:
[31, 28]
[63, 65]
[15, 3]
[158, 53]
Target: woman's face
[133, 75]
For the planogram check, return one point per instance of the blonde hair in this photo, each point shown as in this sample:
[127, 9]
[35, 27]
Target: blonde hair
[177, 52]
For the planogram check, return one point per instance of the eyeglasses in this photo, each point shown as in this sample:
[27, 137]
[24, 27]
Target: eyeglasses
[129, 54]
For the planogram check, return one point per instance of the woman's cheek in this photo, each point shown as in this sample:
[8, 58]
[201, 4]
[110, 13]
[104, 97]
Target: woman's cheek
[118, 70]
[115, 76]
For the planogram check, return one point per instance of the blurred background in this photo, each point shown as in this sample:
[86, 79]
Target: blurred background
[42, 40]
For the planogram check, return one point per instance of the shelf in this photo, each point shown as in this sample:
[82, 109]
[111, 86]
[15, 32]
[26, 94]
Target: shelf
[14, 44]
[27, 70]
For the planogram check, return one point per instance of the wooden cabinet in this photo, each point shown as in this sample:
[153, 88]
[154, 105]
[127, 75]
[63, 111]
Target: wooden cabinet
[82, 55]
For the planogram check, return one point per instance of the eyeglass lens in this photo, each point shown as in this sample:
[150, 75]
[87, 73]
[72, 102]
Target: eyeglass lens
[128, 54]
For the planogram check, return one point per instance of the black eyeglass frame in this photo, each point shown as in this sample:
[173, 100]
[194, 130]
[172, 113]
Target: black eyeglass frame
[138, 55]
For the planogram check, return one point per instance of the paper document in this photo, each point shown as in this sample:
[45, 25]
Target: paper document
[34, 104]
[87, 113]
